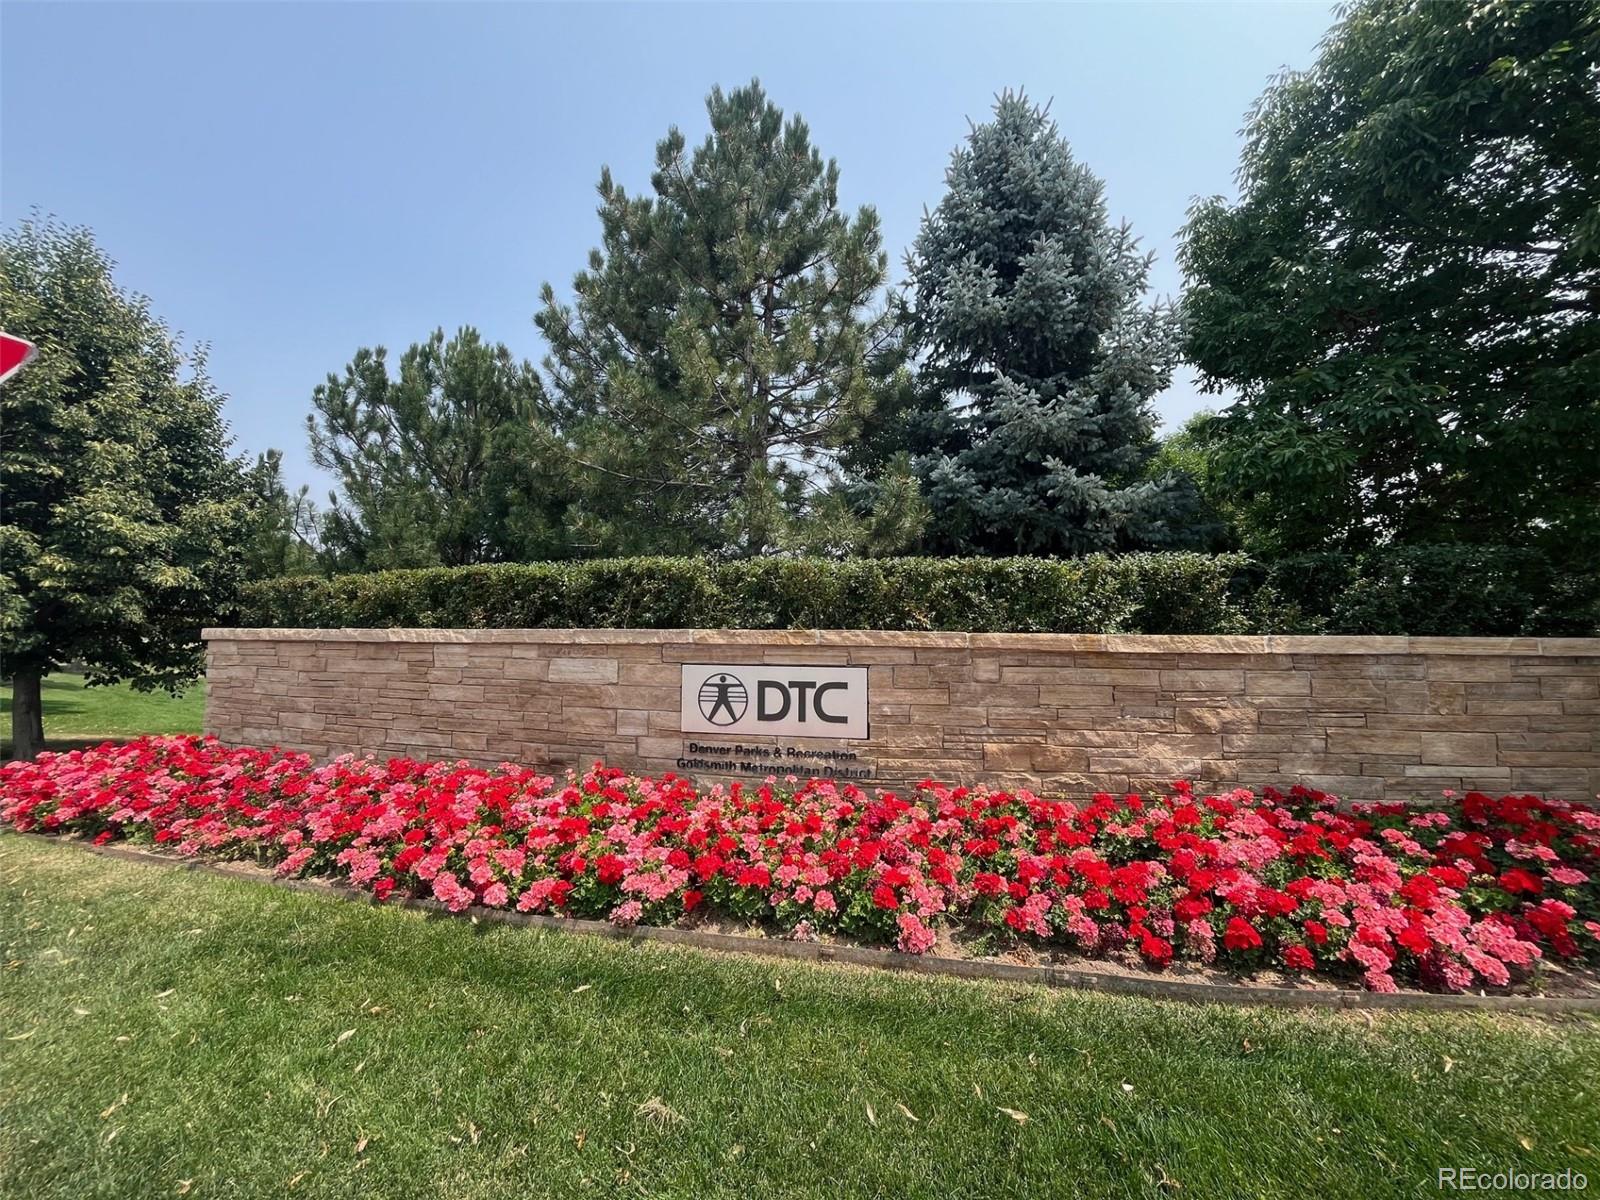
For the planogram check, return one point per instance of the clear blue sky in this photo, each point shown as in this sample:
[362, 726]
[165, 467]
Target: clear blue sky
[291, 181]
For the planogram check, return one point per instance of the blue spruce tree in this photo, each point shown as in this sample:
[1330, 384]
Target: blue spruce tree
[1040, 357]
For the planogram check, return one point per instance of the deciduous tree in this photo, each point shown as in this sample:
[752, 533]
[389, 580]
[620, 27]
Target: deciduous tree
[1406, 296]
[122, 517]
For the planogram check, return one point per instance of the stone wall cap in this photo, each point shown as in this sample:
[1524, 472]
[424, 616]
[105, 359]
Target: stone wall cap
[1132, 643]
[1038, 641]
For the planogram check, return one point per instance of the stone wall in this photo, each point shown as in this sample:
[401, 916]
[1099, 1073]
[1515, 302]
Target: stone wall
[1366, 717]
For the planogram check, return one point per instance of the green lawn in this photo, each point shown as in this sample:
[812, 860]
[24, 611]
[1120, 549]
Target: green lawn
[164, 1033]
[74, 714]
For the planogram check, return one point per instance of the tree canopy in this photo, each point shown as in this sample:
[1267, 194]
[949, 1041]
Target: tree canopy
[123, 516]
[284, 538]
[1406, 296]
[1039, 354]
[442, 464]
[721, 346]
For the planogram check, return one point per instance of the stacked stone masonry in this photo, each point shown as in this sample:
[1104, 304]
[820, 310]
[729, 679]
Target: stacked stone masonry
[1365, 717]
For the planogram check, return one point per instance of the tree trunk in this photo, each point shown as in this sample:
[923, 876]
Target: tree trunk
[27, 716]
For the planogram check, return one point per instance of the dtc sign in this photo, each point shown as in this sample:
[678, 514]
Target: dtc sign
[784, 700]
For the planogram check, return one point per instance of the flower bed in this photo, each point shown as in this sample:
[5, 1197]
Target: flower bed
[1471, 894]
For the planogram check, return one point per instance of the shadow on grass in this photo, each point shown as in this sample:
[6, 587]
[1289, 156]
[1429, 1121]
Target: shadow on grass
[61, 697]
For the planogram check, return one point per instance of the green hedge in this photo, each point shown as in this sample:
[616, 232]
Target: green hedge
[1452, 591]
[1432, 590]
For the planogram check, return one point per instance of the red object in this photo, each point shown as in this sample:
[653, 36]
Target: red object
[14, 355]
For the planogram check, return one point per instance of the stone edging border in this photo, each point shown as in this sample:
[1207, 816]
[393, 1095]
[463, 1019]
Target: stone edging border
[1089, 643]
[1049, 976]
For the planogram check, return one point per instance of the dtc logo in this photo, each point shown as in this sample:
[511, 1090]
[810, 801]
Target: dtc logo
[723, 699]
[775, 699]
[788, 700]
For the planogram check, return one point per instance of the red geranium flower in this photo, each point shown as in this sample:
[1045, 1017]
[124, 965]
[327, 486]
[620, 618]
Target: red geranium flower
[1157, 951]
[1191, 908]
[1517, 880]
[1241, 935]
[1122, 872]
[986, 883]
[1414, 937]
[1420, 890]
[754, 877]
[1449, 876]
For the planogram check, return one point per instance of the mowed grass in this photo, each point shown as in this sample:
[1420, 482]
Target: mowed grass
[165, 1033]
[75, 714]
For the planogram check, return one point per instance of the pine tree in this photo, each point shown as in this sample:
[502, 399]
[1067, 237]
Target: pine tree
[719, 350]
[443, 463]
[1040, 357]
[283, 533]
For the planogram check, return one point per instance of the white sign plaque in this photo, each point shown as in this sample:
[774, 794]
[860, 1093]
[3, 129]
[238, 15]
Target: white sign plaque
[789, 700]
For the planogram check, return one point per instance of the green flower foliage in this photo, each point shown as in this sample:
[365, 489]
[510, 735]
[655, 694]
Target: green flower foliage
[1406, 297]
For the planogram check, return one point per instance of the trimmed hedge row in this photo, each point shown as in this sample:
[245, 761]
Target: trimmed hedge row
[1446, 591]
[1458, 591]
